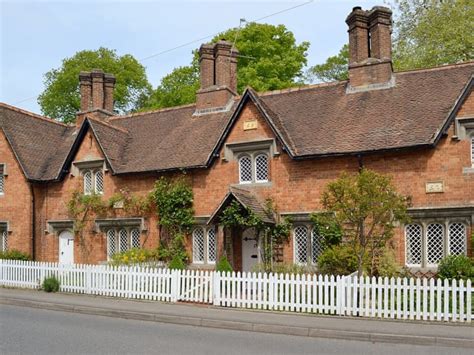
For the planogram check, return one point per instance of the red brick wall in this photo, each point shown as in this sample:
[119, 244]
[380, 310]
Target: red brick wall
[15, 204]
[295, 186]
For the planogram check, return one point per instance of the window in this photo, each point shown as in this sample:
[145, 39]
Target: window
[427, 244]
[122, 239]
[93, 182]
[4, 240]
[261, 168]
[253, 168]
[245, 169]
[2, 179]
[307, 245]
[204, 245]
[472, 150]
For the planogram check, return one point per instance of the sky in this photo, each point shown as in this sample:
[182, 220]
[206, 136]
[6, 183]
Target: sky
[35, 36]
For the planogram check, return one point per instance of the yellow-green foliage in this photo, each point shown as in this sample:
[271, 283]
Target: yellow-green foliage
[134, 256]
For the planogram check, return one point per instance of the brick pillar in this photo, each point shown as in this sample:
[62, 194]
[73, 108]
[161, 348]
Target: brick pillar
[97, 89]
[380, 23]
[85, 89]
[226, 64]
[206, 63]
[109, 85]
[358, 35]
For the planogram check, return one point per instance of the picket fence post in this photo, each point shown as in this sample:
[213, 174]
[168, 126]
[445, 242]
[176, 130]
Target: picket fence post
[216, 288]
[174, 285]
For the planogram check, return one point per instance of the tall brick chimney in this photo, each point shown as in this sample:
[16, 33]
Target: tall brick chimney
[97, 95]
[97, 90]
[218, 67]
[370, 47]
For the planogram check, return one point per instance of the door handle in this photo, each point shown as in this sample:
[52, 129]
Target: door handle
[62, 253]
[254, 256]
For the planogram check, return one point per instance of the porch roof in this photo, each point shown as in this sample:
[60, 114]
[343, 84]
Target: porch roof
[247, 199]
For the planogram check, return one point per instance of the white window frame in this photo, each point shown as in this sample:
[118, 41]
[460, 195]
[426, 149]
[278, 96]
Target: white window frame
[445, 223]
[94, 186]
[421, 245]
[118, 248]
[253, 167]
[309, 244]
[205, 230]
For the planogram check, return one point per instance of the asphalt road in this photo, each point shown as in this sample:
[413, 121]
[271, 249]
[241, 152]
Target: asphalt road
[36, 331]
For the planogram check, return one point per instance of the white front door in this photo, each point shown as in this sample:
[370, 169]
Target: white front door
[250, 250]
[66, 248]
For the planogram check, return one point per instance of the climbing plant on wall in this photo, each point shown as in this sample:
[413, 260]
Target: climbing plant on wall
[173, 199]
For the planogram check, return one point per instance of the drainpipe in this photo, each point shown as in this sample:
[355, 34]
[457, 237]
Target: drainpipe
[33, 222]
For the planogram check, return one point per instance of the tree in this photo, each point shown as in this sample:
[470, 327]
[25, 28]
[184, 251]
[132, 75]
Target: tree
[334, 69]
[366, 206]
[269, 59]
[433, 32]
[427, 33]
[61, 99]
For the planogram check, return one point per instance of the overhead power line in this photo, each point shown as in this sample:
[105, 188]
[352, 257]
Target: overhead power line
[198, 40]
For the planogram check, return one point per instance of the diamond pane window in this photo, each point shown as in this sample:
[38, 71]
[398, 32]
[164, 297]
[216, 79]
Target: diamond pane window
[301, 244]
[99, 182]
[457, 239]
[472, 150]
[316, 247]
[261, 168]
[245, 169]
[413, 237]
[123, 240]
[88, 183]
[2, 178]
[198, 245]
[4, 241]
[135, 238]
[211, 246]
[434, 243]
[111, 242]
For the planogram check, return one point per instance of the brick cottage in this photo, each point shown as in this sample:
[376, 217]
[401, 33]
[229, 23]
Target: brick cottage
[415, 126]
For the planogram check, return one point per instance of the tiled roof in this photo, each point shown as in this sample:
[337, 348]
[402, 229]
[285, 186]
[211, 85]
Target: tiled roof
[325, 120]
[40, 144]
[247, 199]
[318, 120]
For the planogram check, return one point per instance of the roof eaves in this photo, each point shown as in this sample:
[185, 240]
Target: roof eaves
[29, 178]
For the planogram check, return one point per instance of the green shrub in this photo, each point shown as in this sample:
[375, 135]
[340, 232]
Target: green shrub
[338, 260]
[134, 256]
[177, 263]
[387, 265]
[14, 255]
[456, 267]
[223, 265]
[51, 284]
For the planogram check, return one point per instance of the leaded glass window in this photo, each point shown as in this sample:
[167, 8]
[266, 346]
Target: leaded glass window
[135, 238]
[4, 240]
[99, 182]
[245, 169]
[316, 247]
[301, 244]
[435, 243]
[211, 246]
[2, 179]
[414, 239]
[457, 239]
[88, 186]
[112, 247]
[261, 168]
[198, 245]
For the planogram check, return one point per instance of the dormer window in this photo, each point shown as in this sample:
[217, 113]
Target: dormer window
[93, 182]
[253, 168]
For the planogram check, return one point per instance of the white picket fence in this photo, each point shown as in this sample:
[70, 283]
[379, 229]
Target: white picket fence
[396, 298]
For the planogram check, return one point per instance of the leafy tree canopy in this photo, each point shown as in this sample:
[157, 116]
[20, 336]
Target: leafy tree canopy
[270, 59]
[427, 33]
[61, 98]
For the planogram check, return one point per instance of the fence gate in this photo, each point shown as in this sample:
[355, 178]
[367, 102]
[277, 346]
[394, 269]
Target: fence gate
[194, 286]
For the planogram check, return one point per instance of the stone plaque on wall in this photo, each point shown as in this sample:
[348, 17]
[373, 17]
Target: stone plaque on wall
[252, 124]
[434, 187]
